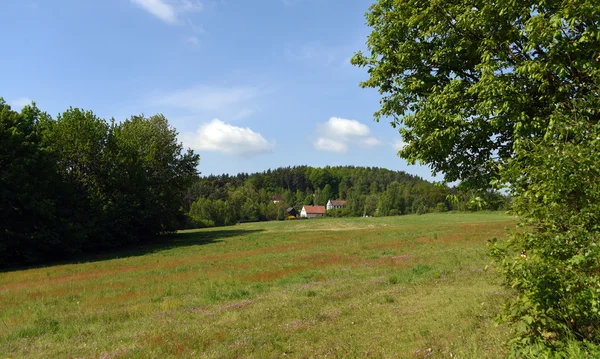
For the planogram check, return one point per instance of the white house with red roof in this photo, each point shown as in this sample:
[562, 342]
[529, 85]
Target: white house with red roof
[313, 211]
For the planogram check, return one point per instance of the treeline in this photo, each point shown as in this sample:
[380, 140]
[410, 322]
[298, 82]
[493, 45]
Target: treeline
[78, 183]
[369, 191]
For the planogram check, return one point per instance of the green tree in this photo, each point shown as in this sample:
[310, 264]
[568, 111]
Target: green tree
[31, 224]
[300, 197]
[506, 93]
[326, 194]
[152, 172]
[79, 140]
[371, 202]
[318, 198]
[319, 177]
[309, 200]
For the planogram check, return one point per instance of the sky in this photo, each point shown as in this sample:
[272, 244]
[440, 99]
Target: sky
[249, 85]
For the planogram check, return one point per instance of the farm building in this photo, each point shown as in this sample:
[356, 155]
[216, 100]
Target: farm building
[335, 204]
[291, 212]
[312, 211]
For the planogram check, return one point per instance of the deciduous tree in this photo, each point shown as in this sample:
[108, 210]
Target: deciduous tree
[507, 93]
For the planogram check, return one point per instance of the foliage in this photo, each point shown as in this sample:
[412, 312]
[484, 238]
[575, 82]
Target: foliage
[556, 271]
[79, 183]
[506, 93]
[441, 207]
[30, 221]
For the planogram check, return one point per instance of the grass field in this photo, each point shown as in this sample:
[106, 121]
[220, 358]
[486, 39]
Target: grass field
[407, 287]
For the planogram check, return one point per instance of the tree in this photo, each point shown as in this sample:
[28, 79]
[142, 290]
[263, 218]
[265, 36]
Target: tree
[326, 194]
[299, 197]
[309, 200]
[30, 222]
[371, 205]
[79, 140]
[318, 197]
[319, 177]
[506, 93]
[467, 81]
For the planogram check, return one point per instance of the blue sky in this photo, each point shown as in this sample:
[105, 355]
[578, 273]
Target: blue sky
[250, 85]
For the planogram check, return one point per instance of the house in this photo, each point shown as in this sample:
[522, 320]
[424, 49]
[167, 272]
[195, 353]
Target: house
[335, 204]
[291, 212]
[312, 211]
[276, 198]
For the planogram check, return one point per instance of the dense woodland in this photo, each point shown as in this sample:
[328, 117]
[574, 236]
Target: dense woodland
[78, 183]
[225, 200]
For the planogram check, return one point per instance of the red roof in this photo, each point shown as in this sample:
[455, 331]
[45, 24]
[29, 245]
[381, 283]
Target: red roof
[315, 209]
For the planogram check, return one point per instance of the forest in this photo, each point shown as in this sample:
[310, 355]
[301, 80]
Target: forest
[78, 183]
[368, 191]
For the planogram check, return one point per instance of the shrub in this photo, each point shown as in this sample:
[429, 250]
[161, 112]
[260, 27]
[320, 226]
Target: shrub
[394, 212]
[441, 207]
[554, 262]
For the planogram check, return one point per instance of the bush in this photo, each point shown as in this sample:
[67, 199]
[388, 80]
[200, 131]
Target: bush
[335, 213]
[441, 207]
[553, 264]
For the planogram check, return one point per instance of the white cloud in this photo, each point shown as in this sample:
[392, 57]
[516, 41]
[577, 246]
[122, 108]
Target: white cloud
[329, 145]
[344, 128]
[399, 145]
[21, 102]
[369, 142]
[211, 99]
[168, 10]
[222, 137]
[337, 134]
[158, 8]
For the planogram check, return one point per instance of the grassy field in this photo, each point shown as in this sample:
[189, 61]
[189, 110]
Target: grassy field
[396, 287]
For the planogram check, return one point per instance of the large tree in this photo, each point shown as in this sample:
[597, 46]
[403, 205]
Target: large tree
[466, 80]
[507, 92]
[30, 225]
[79, 183]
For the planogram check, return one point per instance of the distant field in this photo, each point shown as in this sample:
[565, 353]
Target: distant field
[411, 286]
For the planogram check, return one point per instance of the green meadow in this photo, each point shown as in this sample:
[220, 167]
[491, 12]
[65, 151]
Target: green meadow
[392, 287]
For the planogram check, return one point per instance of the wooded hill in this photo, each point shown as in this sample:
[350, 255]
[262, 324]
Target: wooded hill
[369, 191]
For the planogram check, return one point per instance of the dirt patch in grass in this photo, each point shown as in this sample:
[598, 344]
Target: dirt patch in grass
[314, 261]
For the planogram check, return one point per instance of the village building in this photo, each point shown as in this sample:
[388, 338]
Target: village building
[313, 211]
[335, 204]
[291, 212]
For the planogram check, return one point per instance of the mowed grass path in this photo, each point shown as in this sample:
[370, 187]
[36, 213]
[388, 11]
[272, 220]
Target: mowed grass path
[411, 286]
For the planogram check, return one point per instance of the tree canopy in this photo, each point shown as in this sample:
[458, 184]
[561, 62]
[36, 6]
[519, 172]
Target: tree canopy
[467, 80]
[78, 183]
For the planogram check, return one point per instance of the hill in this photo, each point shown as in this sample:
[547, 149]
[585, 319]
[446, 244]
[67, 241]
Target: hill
[368, 191]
